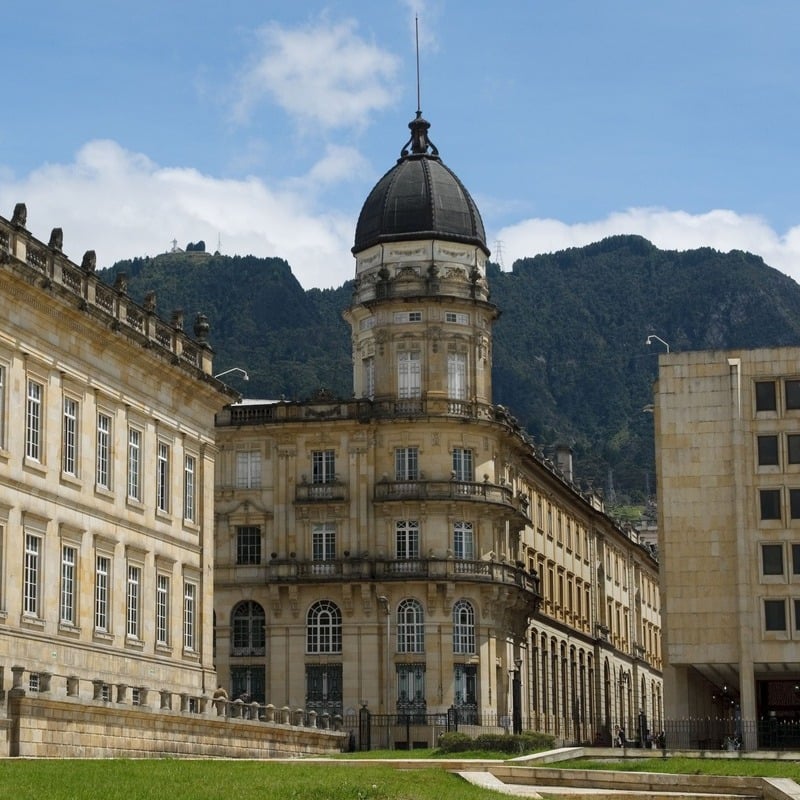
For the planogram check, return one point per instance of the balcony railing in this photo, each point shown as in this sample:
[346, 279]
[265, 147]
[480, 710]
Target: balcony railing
[320, 492]
[289, 570]
[472, 491]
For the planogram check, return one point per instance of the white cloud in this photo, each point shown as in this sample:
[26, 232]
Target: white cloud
[323, 75]
[123, 205]
[669, 230]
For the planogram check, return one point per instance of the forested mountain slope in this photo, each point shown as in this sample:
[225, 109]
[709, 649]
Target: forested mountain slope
[570, 359]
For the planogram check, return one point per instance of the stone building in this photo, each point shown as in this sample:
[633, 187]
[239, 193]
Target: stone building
[728, 463]
[409, 549]
[106, 484]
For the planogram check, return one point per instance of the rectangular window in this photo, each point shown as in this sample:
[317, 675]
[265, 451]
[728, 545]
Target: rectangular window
[457, 376]
[407, 316]
[794, 503]
[797, 615]
[101, 590]
[407, 539]
[793, 448]
[409, 374]
[33, 421]
[132, 602]
[456, 317]
[248, 469]
[189, 615]
[162, 477]
[765, 396]
[69, 439]
[162, 609]
[772, 559]
[323, 466]
[69, 560]
[103, 452]
[406, 464]
[462, 465]
[770, 502]
[2, 407]
[134, 464]
[775, 615]
[248, 544]
[463, 541]
[31, 575]
[368, 376]
[792, 394]
[796, 559]
[768, 451]
[367, 323]
[189, 491]
[323, 542]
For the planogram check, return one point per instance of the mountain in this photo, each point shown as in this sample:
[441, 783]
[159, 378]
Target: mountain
[570, 359]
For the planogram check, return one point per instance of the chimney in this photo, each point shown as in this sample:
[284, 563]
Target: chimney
[564, 460]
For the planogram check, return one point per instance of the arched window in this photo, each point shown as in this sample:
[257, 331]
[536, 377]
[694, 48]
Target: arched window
[463, 627]
[247, 629]
[324, 628]
[410, 627]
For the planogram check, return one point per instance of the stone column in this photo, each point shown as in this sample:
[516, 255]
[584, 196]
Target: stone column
[97, 689]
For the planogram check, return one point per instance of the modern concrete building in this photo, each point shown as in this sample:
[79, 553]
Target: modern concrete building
[409, 549]
[728, 463]
[106, 484]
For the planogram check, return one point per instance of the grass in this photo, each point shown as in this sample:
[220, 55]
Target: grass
[209, 780]
[676, 765]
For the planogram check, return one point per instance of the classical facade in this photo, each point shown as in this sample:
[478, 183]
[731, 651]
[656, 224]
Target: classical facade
[106, 484]
[409, 549]
[728, 458]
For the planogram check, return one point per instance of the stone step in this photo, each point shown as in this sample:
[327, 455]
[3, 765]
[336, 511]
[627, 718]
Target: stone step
[488, 781]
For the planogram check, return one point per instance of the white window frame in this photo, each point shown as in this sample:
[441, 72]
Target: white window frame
[162, 609]
[70, 436]
[463, 464]
[102, 592]
[68, 593]
[457, 376]
[409, 374]
[135, 436]
[456, 317]
[189, 488]
[410, 626]
[406, 464]
[464, 627]
[103, 451]
[133, 605]
[189, 616]
[368, 376]
[3, 404]
[464, 540]
[323, 541]
[248, 469]
[163, 459]
[33, 420]
[32, 575]
[407, 539]
[323, 466]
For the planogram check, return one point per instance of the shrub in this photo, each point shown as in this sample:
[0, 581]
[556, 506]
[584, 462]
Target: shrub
[456, 742]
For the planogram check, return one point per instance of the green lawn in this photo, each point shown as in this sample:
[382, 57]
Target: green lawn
[228, 780]
[691, 766]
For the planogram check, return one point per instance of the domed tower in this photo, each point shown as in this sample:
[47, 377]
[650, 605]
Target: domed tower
[421, 318]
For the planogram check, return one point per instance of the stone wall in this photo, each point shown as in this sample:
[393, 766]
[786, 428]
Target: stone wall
[41, 726]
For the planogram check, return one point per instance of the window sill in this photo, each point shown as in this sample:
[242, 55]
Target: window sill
[71, 480]
[165, 516]
[191, 655]
[32, 465]
[191, 526]
[104, 637]
[134, 643]
[104, 492]
[31, 622]
[134, 504]
[68, 629]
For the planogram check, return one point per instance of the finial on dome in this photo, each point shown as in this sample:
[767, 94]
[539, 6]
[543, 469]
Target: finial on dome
[419, 141]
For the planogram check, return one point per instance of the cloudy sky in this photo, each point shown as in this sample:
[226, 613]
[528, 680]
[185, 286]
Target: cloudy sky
[260, 126]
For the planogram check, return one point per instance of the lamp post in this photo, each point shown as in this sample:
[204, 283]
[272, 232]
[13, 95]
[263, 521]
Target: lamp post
[384, 601]
[245, 376]
[658, 339]
[516, 697]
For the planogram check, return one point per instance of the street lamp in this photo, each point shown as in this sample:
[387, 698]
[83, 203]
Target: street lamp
[245, 376]
[658, 339]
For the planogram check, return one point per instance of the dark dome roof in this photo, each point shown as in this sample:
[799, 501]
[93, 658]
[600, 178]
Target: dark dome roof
[419, 198]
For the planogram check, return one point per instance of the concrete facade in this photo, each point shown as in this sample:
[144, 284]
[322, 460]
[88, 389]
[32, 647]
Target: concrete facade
[728, 464]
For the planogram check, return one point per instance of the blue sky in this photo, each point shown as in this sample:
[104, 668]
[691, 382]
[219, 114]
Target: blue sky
[262, 126]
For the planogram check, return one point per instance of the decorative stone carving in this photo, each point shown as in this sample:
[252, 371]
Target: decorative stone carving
[20, 217]
[89, 262]
[201, 328]
[150, 302]
[56, 239]
[121, 283]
